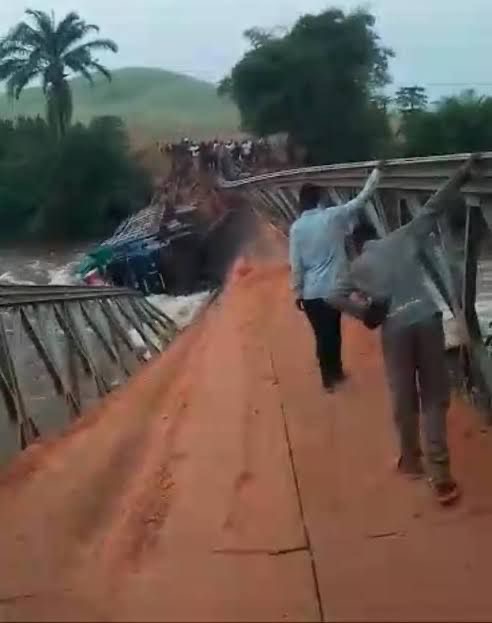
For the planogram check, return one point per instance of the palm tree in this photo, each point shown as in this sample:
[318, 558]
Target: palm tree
[52, 51]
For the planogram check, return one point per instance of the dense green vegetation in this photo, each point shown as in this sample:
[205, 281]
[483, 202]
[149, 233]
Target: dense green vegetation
[320, 83]
[456, 124]
[324, 83]
[76, 188]
[152, 102]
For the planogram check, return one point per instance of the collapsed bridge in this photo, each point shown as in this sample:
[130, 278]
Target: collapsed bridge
[220, 482]
[63, 347]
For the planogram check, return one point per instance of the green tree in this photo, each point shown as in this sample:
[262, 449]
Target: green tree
[258, 36]
[381, 101]
[94, 183]
[316, 82]
[456, 124]
[411, 99]
[79, 187]
[51, 51]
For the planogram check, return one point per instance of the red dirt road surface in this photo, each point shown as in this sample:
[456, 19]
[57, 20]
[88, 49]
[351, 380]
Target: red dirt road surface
[223, 484]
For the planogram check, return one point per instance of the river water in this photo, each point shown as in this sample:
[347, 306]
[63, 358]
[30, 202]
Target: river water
[56, 267]
[37, 266]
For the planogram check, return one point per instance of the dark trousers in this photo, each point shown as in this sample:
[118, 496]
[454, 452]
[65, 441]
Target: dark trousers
[325, 321]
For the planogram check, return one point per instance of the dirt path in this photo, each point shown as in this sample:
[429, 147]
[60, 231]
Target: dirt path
[222, 484]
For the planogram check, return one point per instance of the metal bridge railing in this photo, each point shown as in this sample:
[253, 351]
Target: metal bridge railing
[63, 347]
[460, 263]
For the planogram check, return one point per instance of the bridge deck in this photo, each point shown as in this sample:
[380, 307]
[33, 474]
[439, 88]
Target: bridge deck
[223, 484]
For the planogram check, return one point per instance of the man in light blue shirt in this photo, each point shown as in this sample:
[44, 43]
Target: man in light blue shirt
[318, 259]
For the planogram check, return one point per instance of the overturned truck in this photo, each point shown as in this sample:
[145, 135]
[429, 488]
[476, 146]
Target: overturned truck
[178, 251]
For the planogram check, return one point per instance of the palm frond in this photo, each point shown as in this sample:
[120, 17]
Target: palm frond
[45, 23]
[87, 74]
[96, 44]
[19, 72]
[85, 29]
[13, 49]
[78, 64]
[24, 35]
[67, 31]
[18, 80]
[101, 69]
[72, 32]
[9, 67]
[69, 19]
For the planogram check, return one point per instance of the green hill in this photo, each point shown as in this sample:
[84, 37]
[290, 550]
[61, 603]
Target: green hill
[151, 101]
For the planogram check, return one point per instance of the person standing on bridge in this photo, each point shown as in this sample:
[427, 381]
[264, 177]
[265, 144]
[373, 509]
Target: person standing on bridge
[318, 258]
[389, 274]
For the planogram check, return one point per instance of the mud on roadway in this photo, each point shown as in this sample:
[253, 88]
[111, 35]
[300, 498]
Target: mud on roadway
[222, 484]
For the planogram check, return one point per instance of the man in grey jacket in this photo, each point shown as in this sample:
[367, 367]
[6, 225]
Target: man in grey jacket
[389, 272]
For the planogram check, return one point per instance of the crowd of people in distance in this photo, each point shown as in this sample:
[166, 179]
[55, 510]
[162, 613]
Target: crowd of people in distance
[208, 155]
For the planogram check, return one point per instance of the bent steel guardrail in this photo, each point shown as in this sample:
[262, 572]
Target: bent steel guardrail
[463, 242]
[76, 343]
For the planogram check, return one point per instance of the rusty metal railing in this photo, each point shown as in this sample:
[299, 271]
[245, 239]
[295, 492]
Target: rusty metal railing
[63, 347]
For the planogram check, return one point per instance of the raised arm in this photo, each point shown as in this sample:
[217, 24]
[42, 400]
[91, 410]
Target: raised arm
[358, 203]
[422, 225]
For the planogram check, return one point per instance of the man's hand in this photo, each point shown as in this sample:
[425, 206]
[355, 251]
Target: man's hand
[466, 168]
[300, 304]
[375, 314]
[438, 201]
[470, 168]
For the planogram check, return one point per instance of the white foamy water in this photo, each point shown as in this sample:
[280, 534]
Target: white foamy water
[64, 276]
[8, 278]
[58, 268]
[39, 266]
[182, 309]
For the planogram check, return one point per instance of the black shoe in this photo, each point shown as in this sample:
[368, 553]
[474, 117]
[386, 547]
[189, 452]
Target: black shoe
[329, 382]
[340, 377]
[329, 387]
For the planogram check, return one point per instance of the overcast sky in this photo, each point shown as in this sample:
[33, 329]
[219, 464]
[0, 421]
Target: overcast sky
[445, 45]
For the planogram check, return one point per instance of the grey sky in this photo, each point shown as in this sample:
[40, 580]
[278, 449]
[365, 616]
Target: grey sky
[436, 41]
